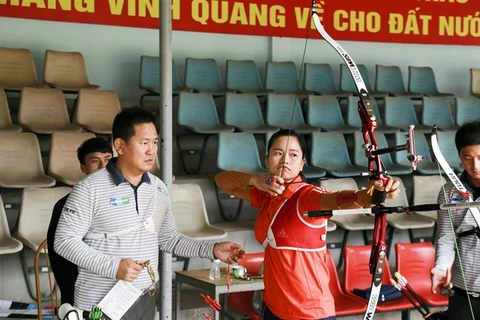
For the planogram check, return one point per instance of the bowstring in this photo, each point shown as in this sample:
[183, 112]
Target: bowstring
[302, 263]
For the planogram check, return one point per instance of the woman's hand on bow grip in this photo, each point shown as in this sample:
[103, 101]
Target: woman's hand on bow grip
[271, 184]
[392, 187]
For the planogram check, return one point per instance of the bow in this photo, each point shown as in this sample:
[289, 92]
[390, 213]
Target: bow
[376, 169]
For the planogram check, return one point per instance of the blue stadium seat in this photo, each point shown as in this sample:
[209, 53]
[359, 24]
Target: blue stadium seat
[150, 78]
[389, 79]
[203, 75]
[197, 113]
[243, 112]
[329, 151]
[422, 80]
[437, 111]
[446, 143]
[318, 78]
[400, 113]
[283, 78]
[324, 112]
[283, 111]
[238, 151]
[243, 77]
[468, 109]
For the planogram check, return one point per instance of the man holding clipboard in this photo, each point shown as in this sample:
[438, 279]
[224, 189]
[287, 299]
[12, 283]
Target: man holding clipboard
[117, 219]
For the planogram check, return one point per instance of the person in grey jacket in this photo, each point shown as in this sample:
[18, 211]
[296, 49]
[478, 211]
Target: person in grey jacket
[457, 262]
[117, 219]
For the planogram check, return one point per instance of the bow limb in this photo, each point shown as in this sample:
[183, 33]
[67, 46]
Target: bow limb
[375, 166]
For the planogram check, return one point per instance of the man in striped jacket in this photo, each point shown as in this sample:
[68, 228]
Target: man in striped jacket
[463, 254]
[119, 217]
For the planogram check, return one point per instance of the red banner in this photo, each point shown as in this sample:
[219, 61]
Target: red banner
[404, 21]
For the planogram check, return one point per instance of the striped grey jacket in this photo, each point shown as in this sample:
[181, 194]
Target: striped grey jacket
[468, 246]
[104, 202]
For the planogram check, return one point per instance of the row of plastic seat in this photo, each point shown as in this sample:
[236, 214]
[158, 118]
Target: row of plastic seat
[198, 112]
[21, 162]
[328, 154]
[22, 166]
[242, 76]
[65, 71]
[44, 111]
[413, 261]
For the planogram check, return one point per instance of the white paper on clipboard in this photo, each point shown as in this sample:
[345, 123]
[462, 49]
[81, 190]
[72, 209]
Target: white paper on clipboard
[119, 299]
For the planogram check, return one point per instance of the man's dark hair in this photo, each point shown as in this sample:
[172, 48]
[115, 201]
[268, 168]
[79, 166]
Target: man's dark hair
[125, 122]
[91, 145]
[468, 135]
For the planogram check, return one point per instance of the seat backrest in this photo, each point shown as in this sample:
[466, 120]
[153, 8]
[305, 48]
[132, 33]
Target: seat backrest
[63, 164]
[150, 74]
[35, 213]
[400, 112]
[436, 111]
[353, 118]
[319, 77]
[426, 190]
[474, 82]
[5, 118]
[446, 143]
[20, 156]
[202, 75]
[422, 80]
[346, 80]
[96, 110]
[324, 111]
[43, 110]
[188, 206]
[389, 79]
[253, 262]
[197, 110]
[242, 75]
[17, 69]
[339, 184]
[356, 274]
[243, 111]
[238, 151]
[467, 109]
[280, 108]
[414, 261]
[65, 69]
[334, 283]
[281, 76]
[329, 150]
[7, 243]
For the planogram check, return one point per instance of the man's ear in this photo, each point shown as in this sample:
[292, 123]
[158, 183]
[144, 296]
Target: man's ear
[119, 145]
[83, 168]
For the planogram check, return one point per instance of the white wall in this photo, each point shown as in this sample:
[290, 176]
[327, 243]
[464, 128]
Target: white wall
[113, 53]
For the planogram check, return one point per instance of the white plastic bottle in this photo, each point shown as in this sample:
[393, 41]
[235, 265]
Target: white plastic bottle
[214, 270]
